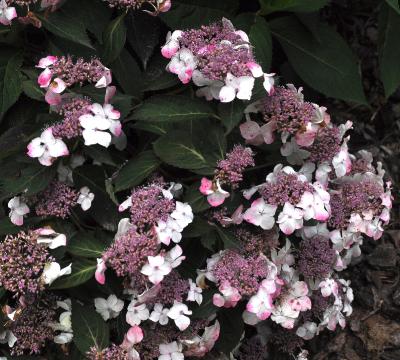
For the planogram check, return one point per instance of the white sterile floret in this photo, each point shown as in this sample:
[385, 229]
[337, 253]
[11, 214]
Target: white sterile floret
[109, 308]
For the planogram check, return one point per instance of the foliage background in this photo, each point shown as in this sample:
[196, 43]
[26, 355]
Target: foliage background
[345, 54]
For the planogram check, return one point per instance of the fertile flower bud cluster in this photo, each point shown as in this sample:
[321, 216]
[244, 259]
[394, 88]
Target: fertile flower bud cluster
[142, 253]
[96, 123]
[229, 172]
[218, 58]
[8, 12]
[60, 73]
[157, 5]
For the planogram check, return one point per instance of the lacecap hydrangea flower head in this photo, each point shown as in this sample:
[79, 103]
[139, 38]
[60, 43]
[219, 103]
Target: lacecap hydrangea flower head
[299, 228]
[218, 58]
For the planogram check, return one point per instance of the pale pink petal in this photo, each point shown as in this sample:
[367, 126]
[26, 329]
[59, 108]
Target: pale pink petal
[206, 186]
[134, 335]
[256, 70]
[44, 78]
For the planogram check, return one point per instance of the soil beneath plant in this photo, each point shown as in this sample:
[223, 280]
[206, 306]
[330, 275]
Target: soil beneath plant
[373, 331]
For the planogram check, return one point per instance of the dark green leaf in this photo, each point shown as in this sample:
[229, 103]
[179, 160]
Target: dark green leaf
[196, 199]
[269, 6]
[155, 128]
[232, 328]
[31, 180]
[389, 49]
[207, 308]
[394, 4]
[82, 270]
[86, 245]
[197, 148]
[177, 148]
[231, 114]
[128, 74]
[15, 138]
[99, 154]
[114, 38]
[143, 34]
[260, 38]
[327, 65]
[94, 15]
[170, 108]
[10, 79]
[66, 26]
[197, 228]
[194, 13]
[8, 228]
[209, 240]
[228, 238]
[89, 328]
[32, 90]
[156, 78]
[136, 170]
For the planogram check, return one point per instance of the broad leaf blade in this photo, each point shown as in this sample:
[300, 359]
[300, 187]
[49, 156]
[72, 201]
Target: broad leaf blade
[389, 50]
[82, 271]
[136, 170]
[194, 13]
[327, 65]
[114, 38]
[90, 330]
[86, 245]
[66, 26]
[10, 79]
[169, 108]
[270, 6]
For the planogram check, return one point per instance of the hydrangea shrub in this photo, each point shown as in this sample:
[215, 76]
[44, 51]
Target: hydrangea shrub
[166, 196]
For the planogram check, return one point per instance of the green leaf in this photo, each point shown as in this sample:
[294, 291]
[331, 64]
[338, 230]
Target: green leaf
[32, 90]
[156, 78]
[103, 209]
[198, 148]
[125, 68]
[136, 170]
[8, 228]
[99, 154]
[395, 5]
[197, 228]
[389, 50]
[228, 238]
[194, 13]
[155, 128]
[94, 15]
[232, 328]
[231, 114]
[207, 308]
[86, 245]
[260, 38]
[269, 6]
[15, 138]
[143, 34]
[66, 26]
[170, 108]
[327, 65]
[114, 38]
[10, 79]
[196, 199]
[30, 180]
[177, 148]
[89, 328]
[82, 271]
